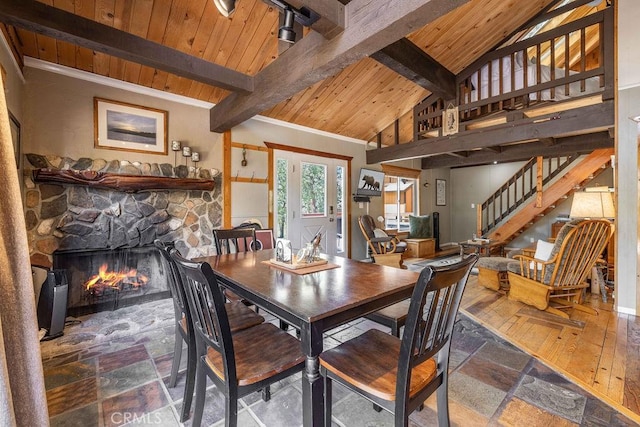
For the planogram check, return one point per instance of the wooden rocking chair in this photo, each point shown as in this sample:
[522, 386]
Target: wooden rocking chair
[559, 283]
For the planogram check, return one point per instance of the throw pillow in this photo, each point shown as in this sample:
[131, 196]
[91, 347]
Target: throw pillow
[543, 250]
[377, 232]
[419, 227]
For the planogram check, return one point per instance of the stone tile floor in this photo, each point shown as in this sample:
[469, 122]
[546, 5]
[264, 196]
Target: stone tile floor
[123, 381]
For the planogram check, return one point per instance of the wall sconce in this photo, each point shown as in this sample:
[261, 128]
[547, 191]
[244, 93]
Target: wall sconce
[425, 185]
[225, 7]
[175, 147]
[186, 153]
[244, 157]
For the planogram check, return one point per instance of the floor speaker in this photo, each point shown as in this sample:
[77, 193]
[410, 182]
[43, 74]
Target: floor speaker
[52, 304]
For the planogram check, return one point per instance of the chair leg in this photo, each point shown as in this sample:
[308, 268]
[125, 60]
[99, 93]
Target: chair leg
[442, 395]
[177, 355]
[192, 361]
[266, 394]
[327, 401]
[377, 408]
[231, 411]
[395, 330]
[283, 325]
[201, 388]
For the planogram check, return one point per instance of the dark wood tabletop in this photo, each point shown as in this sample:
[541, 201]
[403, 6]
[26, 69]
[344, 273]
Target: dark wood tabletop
[313, 302]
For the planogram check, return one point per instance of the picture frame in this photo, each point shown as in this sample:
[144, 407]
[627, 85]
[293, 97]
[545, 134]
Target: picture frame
[128, 127]
[441, 192]
[14, 126]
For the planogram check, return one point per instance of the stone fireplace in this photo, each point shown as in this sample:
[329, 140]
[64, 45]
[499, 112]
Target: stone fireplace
[79, 226]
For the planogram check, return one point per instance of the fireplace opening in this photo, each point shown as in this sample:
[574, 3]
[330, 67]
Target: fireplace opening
[107, 279]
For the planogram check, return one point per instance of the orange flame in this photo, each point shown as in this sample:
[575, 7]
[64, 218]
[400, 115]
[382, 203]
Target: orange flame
[112, 279]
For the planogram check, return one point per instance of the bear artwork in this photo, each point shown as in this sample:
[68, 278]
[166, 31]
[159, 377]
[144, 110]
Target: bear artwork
[370, 183]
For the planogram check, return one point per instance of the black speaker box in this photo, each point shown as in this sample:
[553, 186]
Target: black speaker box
[52, 304]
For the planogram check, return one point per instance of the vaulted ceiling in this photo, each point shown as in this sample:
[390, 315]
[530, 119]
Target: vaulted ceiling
[327, 80]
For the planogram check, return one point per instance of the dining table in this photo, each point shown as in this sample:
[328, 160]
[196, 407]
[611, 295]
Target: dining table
[313, 302]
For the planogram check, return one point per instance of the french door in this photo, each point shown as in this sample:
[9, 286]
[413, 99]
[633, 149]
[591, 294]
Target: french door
[309, 197]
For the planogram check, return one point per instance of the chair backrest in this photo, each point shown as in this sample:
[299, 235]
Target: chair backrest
[429, 325]
[175, 281]
[576, 249]
[367, 225]
[207, 306]
[235, 240]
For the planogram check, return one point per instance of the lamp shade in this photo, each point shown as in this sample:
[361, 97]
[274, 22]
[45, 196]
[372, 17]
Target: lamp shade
[225, 7]
[591, 204]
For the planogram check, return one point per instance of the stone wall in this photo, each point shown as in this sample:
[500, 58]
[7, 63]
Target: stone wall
[75, 217]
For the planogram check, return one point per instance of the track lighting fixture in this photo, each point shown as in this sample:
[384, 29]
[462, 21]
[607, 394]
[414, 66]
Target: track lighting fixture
[286, 32]
[225, 7]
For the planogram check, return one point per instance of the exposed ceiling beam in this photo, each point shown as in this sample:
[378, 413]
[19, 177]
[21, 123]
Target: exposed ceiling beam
[408, 60]
[59, 24]
[579, 144]
[578, 120]
[371, 25]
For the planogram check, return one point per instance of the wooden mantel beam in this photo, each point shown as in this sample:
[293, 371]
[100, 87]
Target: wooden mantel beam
[371, 26]
[597, 117]
[408, 60]
[53, 22]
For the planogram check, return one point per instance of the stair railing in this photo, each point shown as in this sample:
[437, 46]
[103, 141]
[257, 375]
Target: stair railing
[518, 189]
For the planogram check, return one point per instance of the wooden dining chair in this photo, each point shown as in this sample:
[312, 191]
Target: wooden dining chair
[234, 240]
[240, 362]
[240, 317]
[399, 374]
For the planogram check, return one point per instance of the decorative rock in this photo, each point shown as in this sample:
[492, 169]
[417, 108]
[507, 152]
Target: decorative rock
[32, 199]
[205, 173]
[131, 207]
[175, 224]
[204, 226]
[130, 170]
[31, 219]
[57, 233]
[64, 220]
[77, 229]
[41, 260]
[163, 228]
[113, 166]
[143, 195]
[136, 164]
[66, 163]
[100, 202]
[166, 169]
[145, 168]
[177, 197]
[215, 215]
[201, 209]
[28, 183]
[45, 227]
[182, 171]
[155, 170]
[162, 200]
[146, 209]
[79, 196]
[82, 164]
[192, 240]
[37, 161]
[189, 204]
[124, 163]
[54, 161]
[49, 190]
[177, 211]
[158, 217]
[98, 165]
[195, 227]
[115, 210]
[190, 219]
[88, 215]
[206, 196]
[47, 246]
[53, 208]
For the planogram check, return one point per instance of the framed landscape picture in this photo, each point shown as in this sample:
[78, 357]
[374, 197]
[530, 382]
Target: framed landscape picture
[129, 127]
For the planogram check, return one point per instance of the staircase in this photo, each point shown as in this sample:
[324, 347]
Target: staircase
[536, 201]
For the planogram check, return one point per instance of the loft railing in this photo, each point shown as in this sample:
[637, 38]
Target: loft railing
[571, 61]
[524, 184]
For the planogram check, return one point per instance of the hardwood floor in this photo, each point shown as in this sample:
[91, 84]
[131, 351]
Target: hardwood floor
[601, 353]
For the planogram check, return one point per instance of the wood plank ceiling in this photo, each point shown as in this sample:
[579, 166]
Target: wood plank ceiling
[359, 101]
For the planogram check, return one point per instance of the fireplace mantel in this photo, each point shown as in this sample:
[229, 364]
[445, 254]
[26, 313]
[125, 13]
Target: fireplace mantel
[120, 182]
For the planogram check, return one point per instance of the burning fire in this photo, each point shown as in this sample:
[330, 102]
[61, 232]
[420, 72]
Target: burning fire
[115, 280]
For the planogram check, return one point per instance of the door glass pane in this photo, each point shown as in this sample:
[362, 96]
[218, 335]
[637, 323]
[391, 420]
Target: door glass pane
[340, 174]
[313, 190]
[400, 201]
[282, 177]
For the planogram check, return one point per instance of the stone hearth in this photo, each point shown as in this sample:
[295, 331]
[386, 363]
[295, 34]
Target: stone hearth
[76, 217]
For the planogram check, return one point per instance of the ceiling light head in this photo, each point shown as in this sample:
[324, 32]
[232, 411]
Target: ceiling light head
[286, 32]
[225, 7]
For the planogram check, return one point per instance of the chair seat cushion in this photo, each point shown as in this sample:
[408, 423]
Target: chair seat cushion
[260, 353]
[496, 263]
[370, 362]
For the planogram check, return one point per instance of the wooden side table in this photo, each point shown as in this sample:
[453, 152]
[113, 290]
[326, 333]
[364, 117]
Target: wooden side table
[420, 248]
